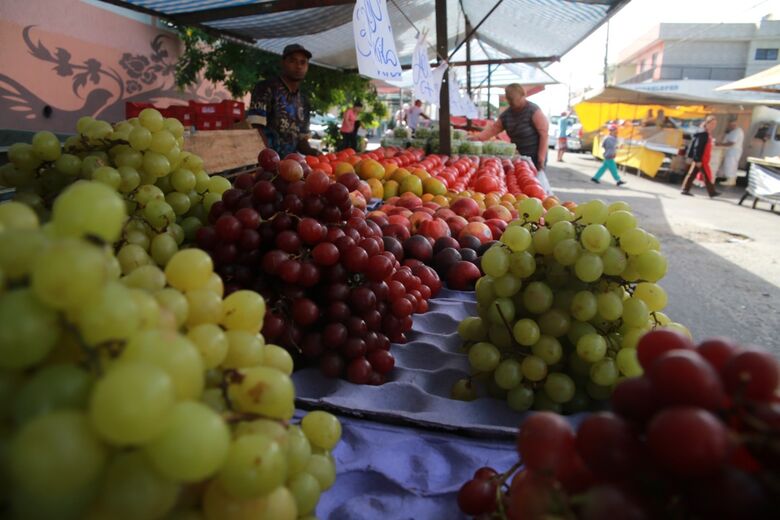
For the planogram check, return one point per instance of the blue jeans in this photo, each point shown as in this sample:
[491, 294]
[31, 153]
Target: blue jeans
[612, 166]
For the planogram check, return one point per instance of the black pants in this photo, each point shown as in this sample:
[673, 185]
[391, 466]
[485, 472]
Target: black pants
[688, 182]
[349, 140]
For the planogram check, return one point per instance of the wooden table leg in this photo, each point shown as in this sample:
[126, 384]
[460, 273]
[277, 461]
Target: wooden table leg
[744, 196]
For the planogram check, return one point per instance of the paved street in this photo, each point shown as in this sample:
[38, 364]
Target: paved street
[724, 259]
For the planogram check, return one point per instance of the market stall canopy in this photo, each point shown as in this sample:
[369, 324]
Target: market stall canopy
[593, 115]
[535, 30]
[765, 81]
[671, 93]
[500, 74]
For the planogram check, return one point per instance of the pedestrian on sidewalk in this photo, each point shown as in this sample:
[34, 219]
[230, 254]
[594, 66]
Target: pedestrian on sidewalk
[563, 133]
[733, 139]
[699, 152]
[610, 151]
[350, 126]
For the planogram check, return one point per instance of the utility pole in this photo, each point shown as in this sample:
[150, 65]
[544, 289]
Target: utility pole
[606, 55]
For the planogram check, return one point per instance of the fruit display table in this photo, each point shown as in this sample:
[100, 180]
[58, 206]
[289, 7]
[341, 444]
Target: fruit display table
[763, 181]
[225, 150]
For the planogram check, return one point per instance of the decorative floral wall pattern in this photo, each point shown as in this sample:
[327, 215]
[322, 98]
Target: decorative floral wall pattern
[97, 83]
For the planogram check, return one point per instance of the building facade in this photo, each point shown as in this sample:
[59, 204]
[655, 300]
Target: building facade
[692, 51]
[63, 59]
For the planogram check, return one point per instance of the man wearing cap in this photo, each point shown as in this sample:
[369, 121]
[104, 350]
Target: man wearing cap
[279, 110]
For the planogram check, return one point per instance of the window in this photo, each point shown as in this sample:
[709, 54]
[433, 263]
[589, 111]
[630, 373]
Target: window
[654, 59]
[766, 54]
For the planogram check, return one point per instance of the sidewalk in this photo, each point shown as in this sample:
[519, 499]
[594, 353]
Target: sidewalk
[724, 259]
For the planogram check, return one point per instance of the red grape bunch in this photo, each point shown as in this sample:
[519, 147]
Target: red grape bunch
[336, 297]
[696, 436]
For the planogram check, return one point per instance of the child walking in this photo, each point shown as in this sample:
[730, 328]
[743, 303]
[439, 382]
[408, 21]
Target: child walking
[610, 151]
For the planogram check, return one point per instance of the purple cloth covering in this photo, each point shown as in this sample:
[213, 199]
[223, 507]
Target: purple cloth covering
[401, 473]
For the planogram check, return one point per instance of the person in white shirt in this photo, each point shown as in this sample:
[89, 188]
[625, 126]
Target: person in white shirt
[733, 140]
[414, 114]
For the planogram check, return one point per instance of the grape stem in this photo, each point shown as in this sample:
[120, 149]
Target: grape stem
[501, 482]
[511, 334]
[229, 376]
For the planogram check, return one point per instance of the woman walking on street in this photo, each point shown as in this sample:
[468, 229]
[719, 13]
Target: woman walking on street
[610, 151]
[699, 151]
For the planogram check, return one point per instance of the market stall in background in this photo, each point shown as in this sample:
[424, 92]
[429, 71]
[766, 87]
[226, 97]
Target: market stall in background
[651, 145]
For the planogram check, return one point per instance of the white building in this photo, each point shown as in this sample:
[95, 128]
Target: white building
[697, 51]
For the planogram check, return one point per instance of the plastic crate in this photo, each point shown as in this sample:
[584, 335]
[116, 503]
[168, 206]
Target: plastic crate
[207, 109]
[133, 109]
[183, 113]
[233, 109]
[211, 122]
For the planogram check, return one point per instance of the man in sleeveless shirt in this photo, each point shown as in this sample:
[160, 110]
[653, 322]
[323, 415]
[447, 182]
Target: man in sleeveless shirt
[525, 124]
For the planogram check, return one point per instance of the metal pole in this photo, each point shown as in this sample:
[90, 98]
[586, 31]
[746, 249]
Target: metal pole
[468, 59]
[606, 54]
[490, 73]
[445, 144]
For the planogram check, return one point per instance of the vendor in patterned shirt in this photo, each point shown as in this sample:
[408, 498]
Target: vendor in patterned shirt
[279, 110]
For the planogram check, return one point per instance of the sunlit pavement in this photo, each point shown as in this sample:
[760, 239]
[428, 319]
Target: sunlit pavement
[724, 259]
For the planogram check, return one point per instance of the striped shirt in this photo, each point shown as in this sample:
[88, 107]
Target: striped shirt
[520, 128]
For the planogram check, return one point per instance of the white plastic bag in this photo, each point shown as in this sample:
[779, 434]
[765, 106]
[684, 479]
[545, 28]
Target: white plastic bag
[544, 182]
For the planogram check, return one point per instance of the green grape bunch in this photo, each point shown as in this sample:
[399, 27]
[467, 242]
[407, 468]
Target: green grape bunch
[131, 385]
[565, 297]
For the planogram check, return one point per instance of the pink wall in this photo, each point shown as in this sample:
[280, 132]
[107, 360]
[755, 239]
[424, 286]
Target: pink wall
[646, 58]
[79, 59]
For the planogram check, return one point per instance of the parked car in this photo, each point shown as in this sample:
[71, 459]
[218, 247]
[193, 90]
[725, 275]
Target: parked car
[318, 124]
[552, 131]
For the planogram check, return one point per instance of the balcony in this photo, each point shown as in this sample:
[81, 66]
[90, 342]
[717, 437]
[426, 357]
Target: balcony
[677, 72]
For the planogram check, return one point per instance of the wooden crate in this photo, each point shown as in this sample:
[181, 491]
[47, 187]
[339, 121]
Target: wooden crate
[224, 150]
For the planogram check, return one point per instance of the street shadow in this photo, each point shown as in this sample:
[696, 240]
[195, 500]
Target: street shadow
[711, 295]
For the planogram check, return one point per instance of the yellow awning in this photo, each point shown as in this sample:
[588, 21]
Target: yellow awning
[765, 81]
[593, 115]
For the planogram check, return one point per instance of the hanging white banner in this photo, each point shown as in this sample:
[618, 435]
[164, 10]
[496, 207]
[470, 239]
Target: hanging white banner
[460, 104]
[456, 107]
[374, 44]
[438, 76]
[425, 88]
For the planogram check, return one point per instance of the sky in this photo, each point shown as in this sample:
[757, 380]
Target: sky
[582, 67]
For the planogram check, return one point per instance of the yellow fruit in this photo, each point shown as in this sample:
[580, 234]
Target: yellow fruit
[370, 169]
[390, 189]
[434, 186]
[426, 197]
[442, 201]
[422, 174]
[412, 184]
[342, 167]
[390, 168]
[377, 190]
[400, 174]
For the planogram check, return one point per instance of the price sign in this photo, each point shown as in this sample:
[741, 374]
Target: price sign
[374, 44]
[425, 86]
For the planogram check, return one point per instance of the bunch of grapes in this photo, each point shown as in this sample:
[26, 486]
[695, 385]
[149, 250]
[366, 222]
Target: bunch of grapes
[135, 390]
[564, 300]
[336, 297]
[166, 190]
[695, 437]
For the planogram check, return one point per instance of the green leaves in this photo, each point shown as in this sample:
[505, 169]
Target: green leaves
[240, 67]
